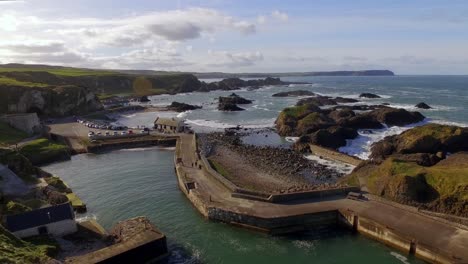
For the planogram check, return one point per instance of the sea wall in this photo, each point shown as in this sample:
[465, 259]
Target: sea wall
[96, 148]
[334, 155]
[393, 238]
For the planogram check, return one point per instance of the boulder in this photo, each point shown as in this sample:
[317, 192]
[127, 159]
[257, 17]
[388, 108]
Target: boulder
[182, 107]
[396, 117]
[318, 100]
[423, 105]
[369, 95]
[229, 107]
[234, 99]
[294, 93]
[333, 137]
[144, 99]
[343, 100]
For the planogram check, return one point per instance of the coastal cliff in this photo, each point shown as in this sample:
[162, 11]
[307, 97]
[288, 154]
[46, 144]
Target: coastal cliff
[414, 168]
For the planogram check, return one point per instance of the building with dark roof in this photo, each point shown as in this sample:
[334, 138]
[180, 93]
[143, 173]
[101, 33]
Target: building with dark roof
[169, 125]
[56, 220]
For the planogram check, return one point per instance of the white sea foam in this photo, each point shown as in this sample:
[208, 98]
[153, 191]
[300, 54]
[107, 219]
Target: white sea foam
[449, 123]
[410, 107]
[86, 217]
[183, 114]
[400, 257]
[338, 166]
[261, 123]
[291, 139]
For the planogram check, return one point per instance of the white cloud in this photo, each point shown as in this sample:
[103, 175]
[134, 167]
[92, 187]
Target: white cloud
[279, 15]
[235, 59]
[261, 19]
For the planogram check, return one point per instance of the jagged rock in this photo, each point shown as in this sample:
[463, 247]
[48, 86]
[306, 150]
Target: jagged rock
[369, 95]
[182, 107]
[396, 117]
[229, 107]
[318, 100]
[294, 93]
[144, 99]
[234, 99]
[423, 105]
[343, 100]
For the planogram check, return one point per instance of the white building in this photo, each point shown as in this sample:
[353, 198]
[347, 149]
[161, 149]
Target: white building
[56, 220]
[169, 125]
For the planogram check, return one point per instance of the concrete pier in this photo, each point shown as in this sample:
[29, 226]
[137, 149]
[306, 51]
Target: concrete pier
[432, 240]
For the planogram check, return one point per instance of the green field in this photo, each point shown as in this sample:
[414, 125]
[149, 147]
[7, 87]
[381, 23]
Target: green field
[9, 81]
[60, 71]
[42, 150]
[10, 135]
[16, 251]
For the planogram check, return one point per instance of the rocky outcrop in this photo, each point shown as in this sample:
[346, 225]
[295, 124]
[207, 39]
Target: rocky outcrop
[234, 99]
[295, 93]
[369, 95]
[423, 105]
[229, 103]
[325, 127]
[182, 107]
[396, 117]
[229, 107]
[236, 83]
[431, 138]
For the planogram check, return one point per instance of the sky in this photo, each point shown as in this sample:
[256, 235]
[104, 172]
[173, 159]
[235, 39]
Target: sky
[407, 37]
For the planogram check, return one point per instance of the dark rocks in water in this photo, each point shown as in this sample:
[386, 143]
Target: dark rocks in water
[228, 106]
[396, 116]
[333, 137]
[369, 95]
[234, 99]
[363, 121]
[236, 83]
[423, 105]
[294, 93]
[318, 100]
[343, 100]
[144, 99]
[182, 107]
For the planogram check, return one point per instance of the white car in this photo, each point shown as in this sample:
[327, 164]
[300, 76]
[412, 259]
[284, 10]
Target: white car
[116, 133]
[124, 133]
[90, 134]
[142, 132]
[99, 133]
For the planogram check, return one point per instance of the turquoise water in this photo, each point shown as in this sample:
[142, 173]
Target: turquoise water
[122, 184]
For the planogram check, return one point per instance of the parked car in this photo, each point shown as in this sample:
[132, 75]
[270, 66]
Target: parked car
[116, 133]
[124, 133]
[90, 134]
[130, 132]
[142, 132]
[107, 133]
[99, 133]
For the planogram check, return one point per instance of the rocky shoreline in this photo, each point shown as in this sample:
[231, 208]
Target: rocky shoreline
[284, 164]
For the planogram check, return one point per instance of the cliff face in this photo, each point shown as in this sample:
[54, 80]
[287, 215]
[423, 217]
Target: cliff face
[53, 101]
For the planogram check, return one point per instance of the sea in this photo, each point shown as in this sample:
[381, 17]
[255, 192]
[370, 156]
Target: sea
[127, 183]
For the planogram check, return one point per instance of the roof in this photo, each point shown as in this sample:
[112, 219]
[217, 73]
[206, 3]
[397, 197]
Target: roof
[40, 217]
[168, 121]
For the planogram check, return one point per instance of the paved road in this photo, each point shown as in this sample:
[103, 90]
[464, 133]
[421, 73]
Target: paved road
[423, 229]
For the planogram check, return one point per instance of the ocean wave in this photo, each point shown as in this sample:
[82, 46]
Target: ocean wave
[183, 114]
[86, 217]
[434, 107]
[261, 107]
[262, 123]
[291, 139]
[338, 166]
[449, 123]
[400, 257]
